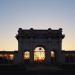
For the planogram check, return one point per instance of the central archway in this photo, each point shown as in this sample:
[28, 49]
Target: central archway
[39, 54]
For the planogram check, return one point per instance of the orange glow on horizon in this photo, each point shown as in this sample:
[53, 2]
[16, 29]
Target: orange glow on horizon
[67, 44]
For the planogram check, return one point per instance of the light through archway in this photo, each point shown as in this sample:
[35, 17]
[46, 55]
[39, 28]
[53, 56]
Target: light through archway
[26, 55]
[39, 54]
[52, 56]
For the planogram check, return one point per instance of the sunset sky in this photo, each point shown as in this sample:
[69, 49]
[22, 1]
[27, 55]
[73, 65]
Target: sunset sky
[39, 14]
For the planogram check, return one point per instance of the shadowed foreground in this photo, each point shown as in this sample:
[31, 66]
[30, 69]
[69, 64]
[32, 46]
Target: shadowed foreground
[37, 69]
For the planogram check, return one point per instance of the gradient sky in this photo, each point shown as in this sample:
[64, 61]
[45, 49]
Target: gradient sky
[39, 14]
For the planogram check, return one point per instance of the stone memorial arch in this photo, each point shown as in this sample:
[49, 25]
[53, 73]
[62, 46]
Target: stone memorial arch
[39, 45]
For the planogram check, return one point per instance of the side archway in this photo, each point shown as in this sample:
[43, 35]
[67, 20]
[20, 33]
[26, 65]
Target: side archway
[53, 56]
[26, 55]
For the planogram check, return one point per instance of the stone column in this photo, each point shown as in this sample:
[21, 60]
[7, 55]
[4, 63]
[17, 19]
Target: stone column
[47, 56]
[59, 58]
[31, 56]
[20, 55]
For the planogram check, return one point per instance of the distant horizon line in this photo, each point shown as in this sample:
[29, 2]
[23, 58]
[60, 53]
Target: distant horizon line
[17, 50]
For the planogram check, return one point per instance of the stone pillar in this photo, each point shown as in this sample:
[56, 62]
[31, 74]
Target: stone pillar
[31, 56]
[19, 58]
[20, 55]
[47, 56]
[59, 58]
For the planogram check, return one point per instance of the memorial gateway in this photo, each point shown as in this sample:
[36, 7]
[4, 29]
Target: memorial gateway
[38, 46]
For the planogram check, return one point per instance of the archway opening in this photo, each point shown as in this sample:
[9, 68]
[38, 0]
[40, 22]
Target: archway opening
[26, 55]
[39, 54]
[52, 53]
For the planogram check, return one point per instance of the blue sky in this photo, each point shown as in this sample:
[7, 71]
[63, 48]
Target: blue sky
[39, 14]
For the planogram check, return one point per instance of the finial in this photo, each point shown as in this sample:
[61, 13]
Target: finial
[31, 28]
[20, 30]
[49, 28]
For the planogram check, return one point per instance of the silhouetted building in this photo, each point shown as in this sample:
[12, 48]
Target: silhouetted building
[40, 45]
[7, 57]
[68, 56]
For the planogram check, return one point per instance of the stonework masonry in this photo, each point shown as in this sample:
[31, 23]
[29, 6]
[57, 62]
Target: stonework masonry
[50, 40]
